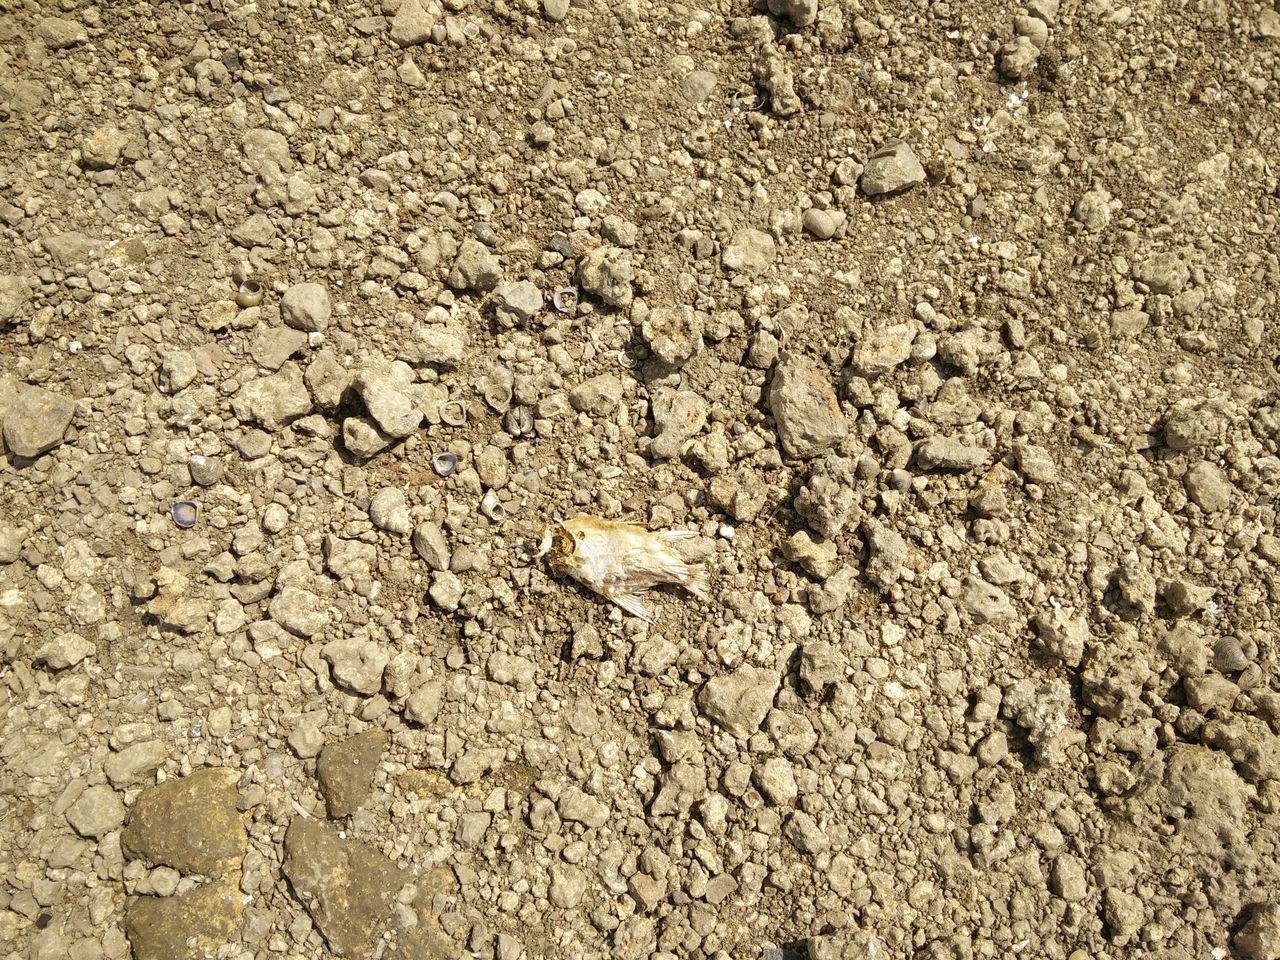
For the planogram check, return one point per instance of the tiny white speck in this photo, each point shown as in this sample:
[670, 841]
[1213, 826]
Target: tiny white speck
[75, 346]
[727, 531]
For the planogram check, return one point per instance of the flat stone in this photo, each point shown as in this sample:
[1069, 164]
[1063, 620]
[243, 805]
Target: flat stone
[749, 251]
[949, 453]
[254, 231]
[135, 762]
[63, 651]
[674, 333]
[96, 812]
[678, 416]
[883, 351]
[1259, 936]
[37, 421]
[299, 611]
[194, 925]
[275, 345]
[357, 664]
[363, 439]
[801, 13]
[805, 409]
[274, 401]
[191, 824]
[389, 511]
[517, 303]
[599, 396]
[477, 268]
[347, 886]
[15, 297]
[345, 771]
[72, 251]
[58, 33]
[739, 701]
[892, 168]
[101, 150]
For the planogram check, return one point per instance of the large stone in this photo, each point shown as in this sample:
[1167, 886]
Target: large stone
[739, 701]
[190, 824]
[274, 401]
[347, 886]
[678, 416]
[949, 453]
[345, 771]
[598, 396]
[477, 268]
[892, 168]
[804, 406]
[847, 945]
[674, 333]
[306, 306]
[1259, 937]
[195, 925]
[101, 150]
[884, 350]
[800, 12]
[37, 421]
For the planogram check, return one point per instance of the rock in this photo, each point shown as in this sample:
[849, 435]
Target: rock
[357, 664]
[1093, 210]
[1034, 462]
[389, 403]
[37, 421]
[1067, 878]
[776, 781]
[1123, 913]
[800, 12]
[694, 89]
[984, 600]
[949, 453]
[575, 806]
[892, 168]
[1017, 59]
[191, 824]
[423, 705]
[516, 304]
[883, 351]
[439, 344]
[847, 945]
[177, 370]
[1164, 273]
[804, 406]
[829, 499]
[15, 297]
[328, 380]
[275, 345]
[1184, 598]
[102, 148]
[1188, 427]
[306, 307]
[1208, 487]
[389, 511]
[274, 401]
[821, 664]
[446, 591]
[65, 650]
[817, 557]
[96, 812]
[11, 539]
[599, 396]
[823, 224]
[363, 439]
[674, 334]
[346, 885]
[886, 553]
[345, 771]
[1258, 938]
[414, 22]
[429, 544]
[349, 558]
[257, 230]
[73, 251]
[568, 886]
[606, 273]
[555, 10]
[135, 762]
[1063, 635]
[740, 700]
[678, 415]
[57, 33]
[803, 831]
[299, 611]
[193, 925]
[476, 268]
[749, 251]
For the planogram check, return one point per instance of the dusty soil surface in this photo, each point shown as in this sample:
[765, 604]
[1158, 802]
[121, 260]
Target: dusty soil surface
[950, 330]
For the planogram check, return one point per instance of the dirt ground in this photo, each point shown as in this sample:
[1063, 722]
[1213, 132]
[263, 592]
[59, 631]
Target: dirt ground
[947, 332]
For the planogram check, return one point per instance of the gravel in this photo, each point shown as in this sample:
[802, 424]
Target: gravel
[945, 344]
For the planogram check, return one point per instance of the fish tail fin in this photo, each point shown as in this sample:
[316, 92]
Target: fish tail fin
[697, 581]
[676, 534]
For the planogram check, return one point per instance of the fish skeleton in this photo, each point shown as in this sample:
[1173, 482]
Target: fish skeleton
[620, 560]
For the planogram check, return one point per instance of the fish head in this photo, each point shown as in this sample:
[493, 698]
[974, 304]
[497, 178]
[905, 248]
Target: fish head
[556, 544]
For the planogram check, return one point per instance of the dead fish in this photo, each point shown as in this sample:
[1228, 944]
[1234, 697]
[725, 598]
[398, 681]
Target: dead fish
[620, 560]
